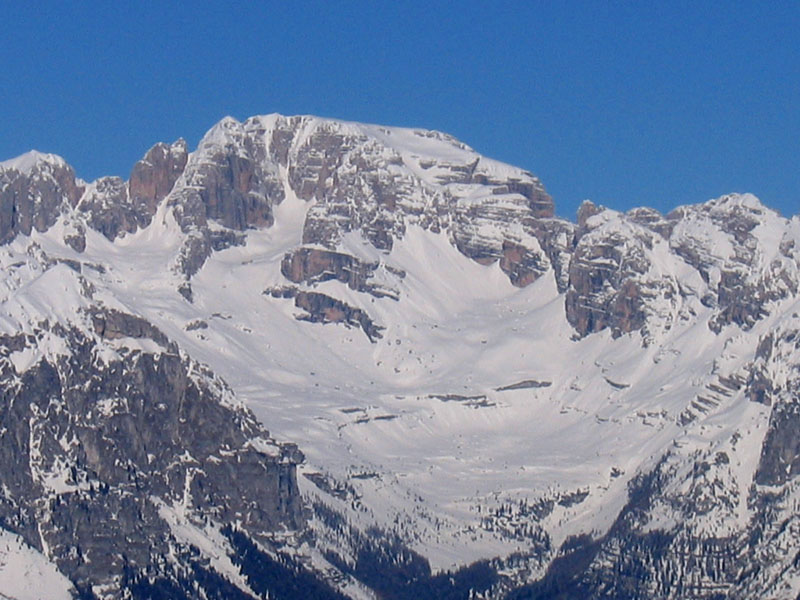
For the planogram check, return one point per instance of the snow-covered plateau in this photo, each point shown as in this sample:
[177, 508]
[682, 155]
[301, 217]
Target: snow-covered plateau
[318, 359]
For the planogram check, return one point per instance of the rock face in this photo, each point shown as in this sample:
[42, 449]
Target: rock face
[228, 180]
[622, 272]
[108, 210]
[629, 270]
[312, 266]
[34, 189]
[780, 453]
[724, 240]
[376, 182]
[615, 281]
[148, 444]
[114, 207]
[153, 177]
[321, 308]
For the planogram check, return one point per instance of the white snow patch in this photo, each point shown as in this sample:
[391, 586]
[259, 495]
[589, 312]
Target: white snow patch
[26, 574]
[25, 163]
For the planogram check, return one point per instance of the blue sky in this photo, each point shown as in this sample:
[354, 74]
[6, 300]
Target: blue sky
[627, 104]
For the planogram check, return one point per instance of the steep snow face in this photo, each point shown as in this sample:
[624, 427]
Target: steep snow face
[460, 368]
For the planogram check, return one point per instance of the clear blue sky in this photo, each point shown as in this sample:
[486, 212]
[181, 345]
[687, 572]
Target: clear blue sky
[628, 104]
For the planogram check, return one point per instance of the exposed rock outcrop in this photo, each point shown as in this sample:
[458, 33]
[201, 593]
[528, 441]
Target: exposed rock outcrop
[312, 266]
[153, 177]
[321, 308]
[617, 270]
[230, 180]
[744, 272]
[34, 190]
[114, 207]
[365, 179]
[609, 275]
[113, 324]
[627, 267]
[774, 380]
[139, 445]
[108, 209]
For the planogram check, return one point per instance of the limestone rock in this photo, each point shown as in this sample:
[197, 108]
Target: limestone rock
[228, 180]
[153, 177]
[609, 274]
[312, 266]
[321, 308]
[104, 453]
[627, 267]
[34, 190]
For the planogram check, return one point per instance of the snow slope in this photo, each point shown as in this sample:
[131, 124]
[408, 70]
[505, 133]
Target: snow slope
[27, 575]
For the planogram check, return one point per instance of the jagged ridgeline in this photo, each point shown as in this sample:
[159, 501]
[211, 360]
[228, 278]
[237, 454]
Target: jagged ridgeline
[491, 401]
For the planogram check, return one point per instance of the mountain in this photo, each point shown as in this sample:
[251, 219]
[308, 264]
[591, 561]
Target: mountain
[319, 359]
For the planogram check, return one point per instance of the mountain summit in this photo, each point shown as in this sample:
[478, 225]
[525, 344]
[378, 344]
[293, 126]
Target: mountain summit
[314, 358]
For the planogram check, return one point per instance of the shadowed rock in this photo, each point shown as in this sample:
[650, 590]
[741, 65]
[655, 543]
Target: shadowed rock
[311, 265]
[321, 308]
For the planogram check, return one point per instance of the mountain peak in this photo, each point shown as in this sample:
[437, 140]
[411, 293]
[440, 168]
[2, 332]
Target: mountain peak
[736, 202]
[25, 163]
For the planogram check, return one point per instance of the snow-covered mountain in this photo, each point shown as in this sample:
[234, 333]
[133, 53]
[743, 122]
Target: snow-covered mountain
[466, 396]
